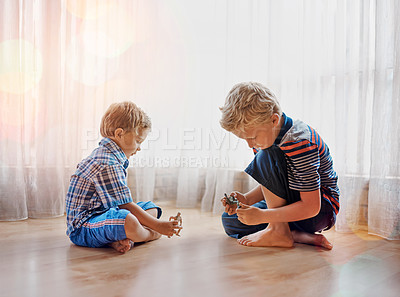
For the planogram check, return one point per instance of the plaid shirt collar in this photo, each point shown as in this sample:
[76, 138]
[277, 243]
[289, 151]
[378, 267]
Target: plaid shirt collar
[116, 150]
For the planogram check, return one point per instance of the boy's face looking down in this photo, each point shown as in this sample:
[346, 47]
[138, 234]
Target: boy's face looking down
[262, 136]
[129, 142]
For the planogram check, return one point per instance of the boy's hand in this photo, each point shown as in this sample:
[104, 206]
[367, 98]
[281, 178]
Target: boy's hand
[250, 215]
[231, 209]
[168, 228]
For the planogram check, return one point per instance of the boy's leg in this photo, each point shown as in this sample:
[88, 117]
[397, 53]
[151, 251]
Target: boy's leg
[105, 229]
[311, 238]
[269, 169]
[126, 244]
[304, 231]
[236, 229]
[135, 232]
[142, 233]
[276, 234]
[138, 233]
[108, 228]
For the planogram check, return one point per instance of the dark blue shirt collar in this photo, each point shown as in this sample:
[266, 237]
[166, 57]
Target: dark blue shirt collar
[287, 124]
[116, 150]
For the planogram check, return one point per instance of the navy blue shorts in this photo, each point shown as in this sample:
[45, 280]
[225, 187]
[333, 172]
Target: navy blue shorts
[269, 169]
[107, 227]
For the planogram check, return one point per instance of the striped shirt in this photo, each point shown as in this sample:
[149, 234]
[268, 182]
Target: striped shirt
[98, 184]
[309, 163]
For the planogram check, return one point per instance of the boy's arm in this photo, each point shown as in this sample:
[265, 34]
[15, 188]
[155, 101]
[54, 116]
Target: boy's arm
[307, 207]
[255, 195]
[164, 227]
[144, 218]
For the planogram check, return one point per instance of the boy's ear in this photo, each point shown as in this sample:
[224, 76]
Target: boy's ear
[275, 119]
[118, 133]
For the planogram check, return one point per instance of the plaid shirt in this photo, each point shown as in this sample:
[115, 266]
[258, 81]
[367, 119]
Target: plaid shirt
[98, 184]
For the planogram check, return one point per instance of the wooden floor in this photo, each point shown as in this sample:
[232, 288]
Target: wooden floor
[37, 259]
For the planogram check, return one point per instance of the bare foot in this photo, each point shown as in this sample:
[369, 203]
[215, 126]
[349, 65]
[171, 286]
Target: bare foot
[122, 246]
[313, 239]
[269, 237]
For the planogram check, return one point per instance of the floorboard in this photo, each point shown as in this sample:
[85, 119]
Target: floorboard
[37, 259]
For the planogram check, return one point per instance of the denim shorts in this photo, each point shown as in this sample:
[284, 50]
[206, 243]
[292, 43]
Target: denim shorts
[107, 227]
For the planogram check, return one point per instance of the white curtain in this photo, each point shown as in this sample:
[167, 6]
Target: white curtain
[384, 188]
[333, 64]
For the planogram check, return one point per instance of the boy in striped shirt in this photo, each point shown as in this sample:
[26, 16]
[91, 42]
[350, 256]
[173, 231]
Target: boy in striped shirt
[99, 206]
[297, 193]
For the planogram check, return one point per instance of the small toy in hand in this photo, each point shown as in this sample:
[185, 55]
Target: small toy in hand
[177, 218]
[231, 200]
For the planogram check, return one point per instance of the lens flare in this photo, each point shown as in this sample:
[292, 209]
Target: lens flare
[108, 27]
[110, 35]
[20, 66]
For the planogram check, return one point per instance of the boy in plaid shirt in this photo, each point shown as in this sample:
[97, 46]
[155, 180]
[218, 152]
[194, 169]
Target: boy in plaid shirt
[99, 205]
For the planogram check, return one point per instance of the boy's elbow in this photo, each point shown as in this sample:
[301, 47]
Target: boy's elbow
[312, 203]
[314, 210]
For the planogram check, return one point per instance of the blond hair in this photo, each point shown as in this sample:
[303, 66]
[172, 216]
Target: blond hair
[247, 105]
[126, 115]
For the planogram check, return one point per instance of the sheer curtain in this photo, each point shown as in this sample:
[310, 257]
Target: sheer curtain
[333, 64]
[384, 188]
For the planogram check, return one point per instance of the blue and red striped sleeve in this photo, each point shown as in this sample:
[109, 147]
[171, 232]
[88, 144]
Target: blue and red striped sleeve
[303, 162]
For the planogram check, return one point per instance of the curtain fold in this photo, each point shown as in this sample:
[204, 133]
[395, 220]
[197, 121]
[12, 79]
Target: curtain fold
[384, 188]
[334, 64]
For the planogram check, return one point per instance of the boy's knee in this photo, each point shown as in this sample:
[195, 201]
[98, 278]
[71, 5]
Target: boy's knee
[269, 169]
[270, 163]
[224, 218]
[134, 229]
[230, 222]
[131, 222]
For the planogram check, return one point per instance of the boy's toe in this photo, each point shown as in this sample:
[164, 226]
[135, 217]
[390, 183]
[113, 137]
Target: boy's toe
[243, 241]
